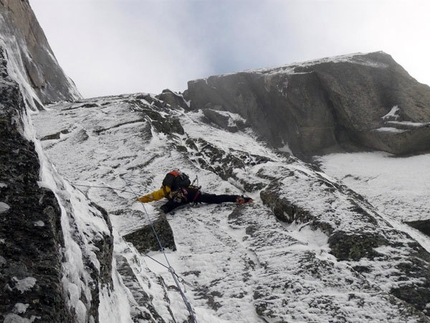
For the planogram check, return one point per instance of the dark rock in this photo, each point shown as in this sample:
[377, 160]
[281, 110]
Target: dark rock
[165, 124]
[144, 239]
[173, 99]
[325, 106]
[416, 268]
[54, 136]
[30, 230]
[347, 246]
[421, 225]
[144, 309]
[282, 208]
[104, 251]
[223, 121]
[224, 163]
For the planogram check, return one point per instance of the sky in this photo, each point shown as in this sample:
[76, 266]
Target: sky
[110, 47]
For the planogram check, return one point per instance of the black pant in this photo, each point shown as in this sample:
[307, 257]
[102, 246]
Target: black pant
[189, 195]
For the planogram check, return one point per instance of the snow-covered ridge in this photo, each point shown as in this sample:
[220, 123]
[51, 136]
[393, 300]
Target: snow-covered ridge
[297, 67]
[355, 58]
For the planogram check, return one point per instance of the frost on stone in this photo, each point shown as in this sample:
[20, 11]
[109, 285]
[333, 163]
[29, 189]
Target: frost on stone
[3, 261]
[20, 308]
[39, 224]
[4, 207]
[25, 284]
[393, 114]
[13, 318]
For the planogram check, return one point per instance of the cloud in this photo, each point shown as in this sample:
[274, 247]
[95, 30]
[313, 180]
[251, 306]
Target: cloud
[112, 46]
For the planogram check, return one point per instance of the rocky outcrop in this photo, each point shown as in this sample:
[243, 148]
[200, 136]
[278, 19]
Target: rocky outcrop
[357, 235]
[353, 102]
[173, 99]
[25, 40]
[44, 275]
[421, 225]
[144, 239]
[30, 230]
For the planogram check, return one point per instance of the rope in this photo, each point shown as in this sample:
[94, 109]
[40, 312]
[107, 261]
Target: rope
[182, 280]
[196, 180]
[169, 267]
[98, 186]
[130, 181]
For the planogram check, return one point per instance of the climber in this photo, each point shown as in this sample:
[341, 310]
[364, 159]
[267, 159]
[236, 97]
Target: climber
[177, 188]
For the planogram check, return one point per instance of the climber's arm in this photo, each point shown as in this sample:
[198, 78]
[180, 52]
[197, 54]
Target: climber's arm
[154, 196]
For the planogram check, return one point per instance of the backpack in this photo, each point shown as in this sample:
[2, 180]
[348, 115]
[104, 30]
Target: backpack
[175, 179]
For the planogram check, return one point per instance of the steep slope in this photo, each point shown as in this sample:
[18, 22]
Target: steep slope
[308, 249]
[347, 103]
[26, 209]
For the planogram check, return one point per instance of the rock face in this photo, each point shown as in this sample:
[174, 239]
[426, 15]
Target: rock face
[352, 102]
[144, 239]
[263, 255]
[354, 232]
[31, 270]
[22, 34]
[54, 266]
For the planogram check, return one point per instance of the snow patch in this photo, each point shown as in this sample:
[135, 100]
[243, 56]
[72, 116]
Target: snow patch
[393, 114]
[390, 129]
[356, 58]
[409, 123]
[39, 224]
[20, 308]
[3, 261]
[13, 318]
[25, 284]
[4, 207]
[397, 187]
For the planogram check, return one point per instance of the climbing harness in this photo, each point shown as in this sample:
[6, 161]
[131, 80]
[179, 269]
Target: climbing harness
[180, 195]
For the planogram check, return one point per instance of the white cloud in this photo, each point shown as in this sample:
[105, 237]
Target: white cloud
[113, 46]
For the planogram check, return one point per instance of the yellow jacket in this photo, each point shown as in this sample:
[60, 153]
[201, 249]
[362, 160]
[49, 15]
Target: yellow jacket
[164, 191]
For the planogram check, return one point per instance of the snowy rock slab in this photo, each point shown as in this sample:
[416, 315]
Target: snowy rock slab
[362, 246]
